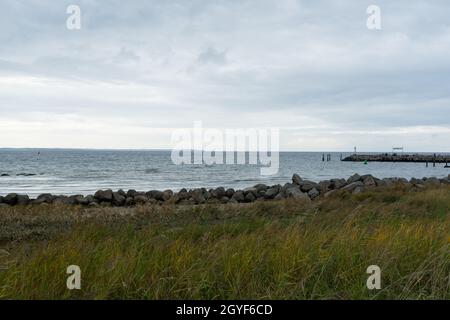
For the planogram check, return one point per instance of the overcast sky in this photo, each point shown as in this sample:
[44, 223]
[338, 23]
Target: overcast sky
[138, 69]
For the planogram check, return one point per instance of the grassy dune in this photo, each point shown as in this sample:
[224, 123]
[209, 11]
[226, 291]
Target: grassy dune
[263, 250]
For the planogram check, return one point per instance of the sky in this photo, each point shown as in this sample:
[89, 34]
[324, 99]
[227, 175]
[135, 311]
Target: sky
[138, 70]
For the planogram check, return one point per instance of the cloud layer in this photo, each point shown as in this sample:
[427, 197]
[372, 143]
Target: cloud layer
[138, 69]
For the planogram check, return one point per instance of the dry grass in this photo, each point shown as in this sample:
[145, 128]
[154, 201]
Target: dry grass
[266, 250]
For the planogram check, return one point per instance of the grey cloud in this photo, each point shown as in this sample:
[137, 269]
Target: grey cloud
[126, 55]
[212, 55]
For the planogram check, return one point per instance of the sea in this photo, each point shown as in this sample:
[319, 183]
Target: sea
[63, 171]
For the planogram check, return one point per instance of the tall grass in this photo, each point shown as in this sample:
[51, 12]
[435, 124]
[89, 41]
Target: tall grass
[276, 250]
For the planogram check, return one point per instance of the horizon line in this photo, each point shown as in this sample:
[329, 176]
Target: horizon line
[169, 150]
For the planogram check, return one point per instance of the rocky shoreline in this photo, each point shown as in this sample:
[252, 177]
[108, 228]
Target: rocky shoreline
[297, 189]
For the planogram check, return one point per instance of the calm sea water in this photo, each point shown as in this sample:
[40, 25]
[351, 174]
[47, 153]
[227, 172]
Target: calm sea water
[85, 171]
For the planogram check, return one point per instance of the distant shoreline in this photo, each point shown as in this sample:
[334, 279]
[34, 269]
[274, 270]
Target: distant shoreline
[169, 150]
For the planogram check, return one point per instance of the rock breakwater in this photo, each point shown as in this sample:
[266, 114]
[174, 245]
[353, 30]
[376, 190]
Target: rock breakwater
[297, 189]
[386, 157]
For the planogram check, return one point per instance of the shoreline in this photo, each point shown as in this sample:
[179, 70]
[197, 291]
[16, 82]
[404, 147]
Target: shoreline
[297, 189]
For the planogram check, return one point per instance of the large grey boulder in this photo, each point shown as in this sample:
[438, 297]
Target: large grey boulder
[90, 199]
[140, 199]
[369, 181]
[272, 192]
[155, 194]
[11, 199]
[71, 200]
[416, 181]
[324, 185]
[296, 179]
[260, 187]
[44, 198]
[261, 194]
[352, 186]
[131, 193]
[181, 195]
[84, 201]
[251, 190]
[219, 193]
[104, 195]
[23, 199]
[119, 199]
[279, 196]
[229, 193]
[238, 196]
[296, 193]
[288, 186]
[337, 183]
[58, 200]
[129, 201]
[224, 199]
[250, 197]
[207, 195]
[313, 193]
[122, 193]
[198, 197]
[307, 186]
[354, 178]
[167, 194]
